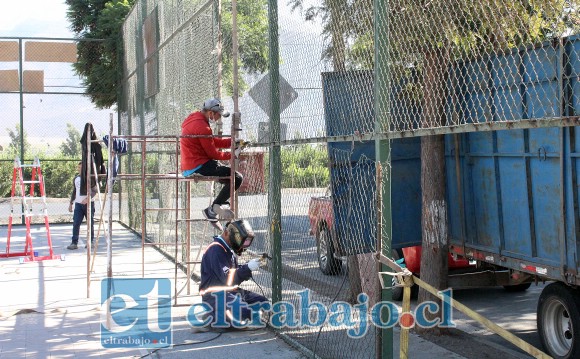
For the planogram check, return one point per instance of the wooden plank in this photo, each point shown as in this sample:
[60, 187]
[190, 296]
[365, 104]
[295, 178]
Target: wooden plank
[50, 51]
[33, 81]
[9, 81]
[8, 50]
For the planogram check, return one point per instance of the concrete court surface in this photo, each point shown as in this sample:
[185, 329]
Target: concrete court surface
[45, 311]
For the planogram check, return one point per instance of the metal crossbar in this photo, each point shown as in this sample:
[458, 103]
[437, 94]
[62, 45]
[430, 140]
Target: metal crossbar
[181, 211]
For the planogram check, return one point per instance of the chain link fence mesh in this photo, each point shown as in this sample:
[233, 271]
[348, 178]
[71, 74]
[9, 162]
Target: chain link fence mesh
[451, 66]
[44, 112]
[485, 62]
[170, 69]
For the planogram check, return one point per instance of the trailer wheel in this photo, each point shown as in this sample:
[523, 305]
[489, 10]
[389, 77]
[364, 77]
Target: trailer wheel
[396, 292]
[558, 318]
[517, 288]
[327, 263]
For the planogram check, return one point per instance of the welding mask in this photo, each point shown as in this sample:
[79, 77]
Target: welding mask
[241, 235]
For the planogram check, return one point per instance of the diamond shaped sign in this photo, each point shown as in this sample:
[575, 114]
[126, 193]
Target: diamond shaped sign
[260, 93]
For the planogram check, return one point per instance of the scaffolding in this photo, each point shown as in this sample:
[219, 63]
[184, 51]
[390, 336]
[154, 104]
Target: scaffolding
[182, 213]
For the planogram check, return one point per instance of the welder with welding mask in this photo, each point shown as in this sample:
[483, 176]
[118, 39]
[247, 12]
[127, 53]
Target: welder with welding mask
[220, 271]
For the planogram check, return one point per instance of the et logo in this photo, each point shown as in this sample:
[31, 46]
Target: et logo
[136, 313]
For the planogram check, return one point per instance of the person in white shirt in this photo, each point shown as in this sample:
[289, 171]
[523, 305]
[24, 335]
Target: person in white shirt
[80, 209]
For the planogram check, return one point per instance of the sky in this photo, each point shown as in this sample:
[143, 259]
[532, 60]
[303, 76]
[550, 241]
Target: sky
[46, 19]
[34, 18]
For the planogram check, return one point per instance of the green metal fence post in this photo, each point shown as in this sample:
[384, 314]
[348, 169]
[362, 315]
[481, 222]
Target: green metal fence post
[121, 105]
[274, 190]
[383, 149]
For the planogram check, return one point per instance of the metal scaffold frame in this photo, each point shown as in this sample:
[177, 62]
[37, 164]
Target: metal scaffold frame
[175, 176]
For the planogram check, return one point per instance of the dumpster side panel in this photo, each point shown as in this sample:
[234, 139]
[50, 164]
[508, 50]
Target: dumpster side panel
[572, 93]
[544, 145]
[483, 217]
[546, 187]
[572, 179]
[352, 168]
[348, 107]
[514, 192]
[406, 192]
[512, 181]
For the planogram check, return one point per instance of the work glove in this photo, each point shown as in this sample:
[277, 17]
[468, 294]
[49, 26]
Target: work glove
[254, 264]
[237, 152]
[242, 143]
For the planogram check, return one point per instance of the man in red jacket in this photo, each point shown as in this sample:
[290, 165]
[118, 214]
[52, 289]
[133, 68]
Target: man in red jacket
[200, 155]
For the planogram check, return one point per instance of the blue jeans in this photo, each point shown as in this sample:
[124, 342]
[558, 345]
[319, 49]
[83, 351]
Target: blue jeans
[212, 168]
[79, 214]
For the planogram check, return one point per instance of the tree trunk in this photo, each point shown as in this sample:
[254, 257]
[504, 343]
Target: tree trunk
[434, 205]
[354, 279]
[337, 25]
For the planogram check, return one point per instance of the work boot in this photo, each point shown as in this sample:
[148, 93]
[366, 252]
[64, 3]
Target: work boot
[92, 244]
[209, 214]
[72, 246]
[223, 211]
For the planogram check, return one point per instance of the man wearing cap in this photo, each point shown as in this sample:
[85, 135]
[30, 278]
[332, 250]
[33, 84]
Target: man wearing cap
[200, 155]
[220, 272]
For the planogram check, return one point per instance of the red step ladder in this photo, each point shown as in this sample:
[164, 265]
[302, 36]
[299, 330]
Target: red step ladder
[26, 199]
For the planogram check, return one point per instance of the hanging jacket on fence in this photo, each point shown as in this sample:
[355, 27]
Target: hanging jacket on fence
[96, 157]
[120, 146]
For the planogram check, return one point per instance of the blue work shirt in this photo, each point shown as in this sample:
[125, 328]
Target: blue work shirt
[219, 267]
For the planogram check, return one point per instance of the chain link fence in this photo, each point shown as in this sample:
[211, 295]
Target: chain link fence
[358, 86]
[463, 63]
[44, 110]
[171, 53]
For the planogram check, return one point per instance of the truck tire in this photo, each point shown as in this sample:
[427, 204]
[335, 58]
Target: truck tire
[397, 292]
[517, 288]
[327, 263]
[558, 318]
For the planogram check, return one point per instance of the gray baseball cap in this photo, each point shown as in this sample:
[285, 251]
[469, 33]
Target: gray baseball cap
[215, 105]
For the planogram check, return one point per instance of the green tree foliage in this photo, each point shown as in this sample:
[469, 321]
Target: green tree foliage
[58, 174]
[468, 28]
[71, 146]
[14, 145]
[304, 166]
[252, 40]
[99, 62]
[347, 30]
